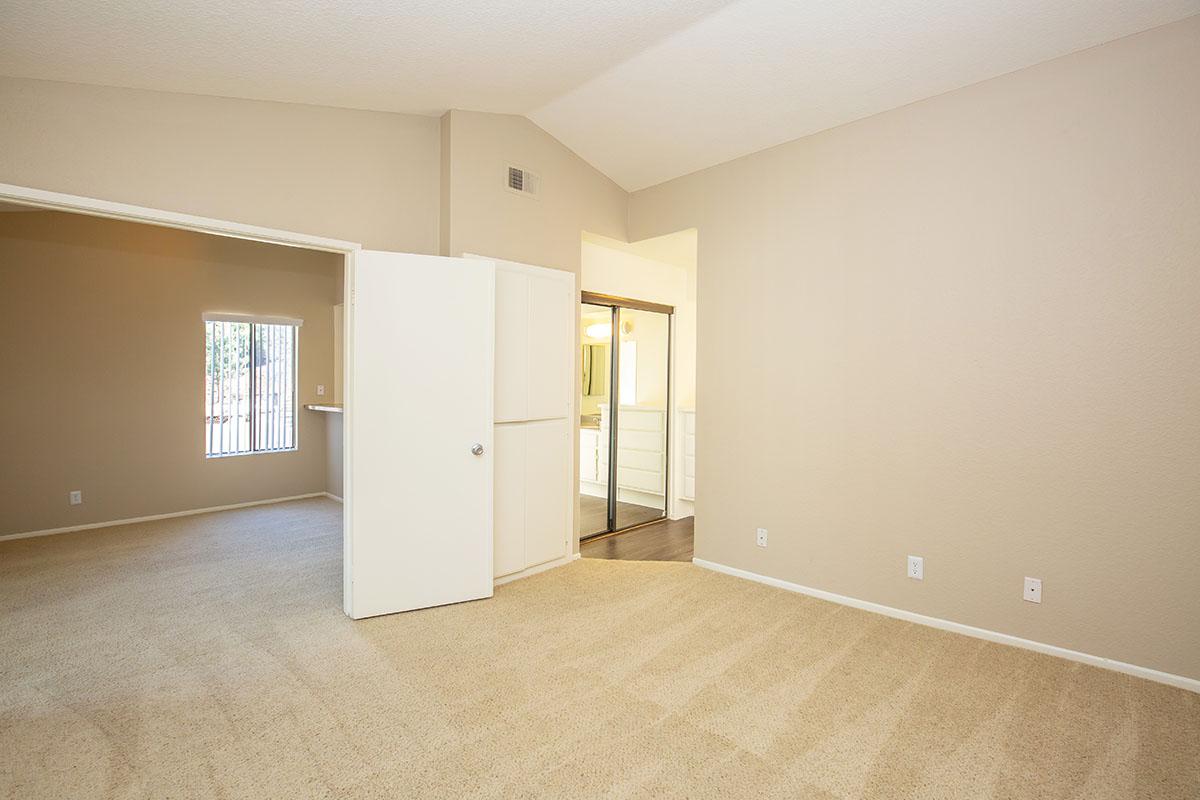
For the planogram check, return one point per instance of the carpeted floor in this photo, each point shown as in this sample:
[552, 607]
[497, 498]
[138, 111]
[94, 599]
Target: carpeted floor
[209, 657]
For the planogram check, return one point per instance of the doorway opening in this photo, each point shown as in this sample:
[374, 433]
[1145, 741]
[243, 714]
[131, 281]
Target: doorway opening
[650, 395]
[180, 363]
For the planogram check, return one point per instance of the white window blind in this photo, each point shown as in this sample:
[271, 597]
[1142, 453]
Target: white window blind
[250, 384]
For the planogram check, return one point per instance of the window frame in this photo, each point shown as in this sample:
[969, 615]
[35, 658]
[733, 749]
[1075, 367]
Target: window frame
[253, 321]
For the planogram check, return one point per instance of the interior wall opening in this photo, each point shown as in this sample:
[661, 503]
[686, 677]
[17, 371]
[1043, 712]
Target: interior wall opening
[162, 372]
[637, 397]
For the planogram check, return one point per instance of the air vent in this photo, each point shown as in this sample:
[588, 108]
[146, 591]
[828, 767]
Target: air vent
[522, 181]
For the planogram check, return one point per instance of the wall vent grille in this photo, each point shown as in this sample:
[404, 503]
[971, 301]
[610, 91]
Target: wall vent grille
[522, 181]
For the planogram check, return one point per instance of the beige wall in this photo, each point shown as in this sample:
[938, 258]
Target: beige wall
[488, 219]
[967, 329]
[102, 343]
[356, 175]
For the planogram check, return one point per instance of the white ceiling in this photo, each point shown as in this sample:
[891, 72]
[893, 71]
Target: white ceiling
[762, 72]
[646, 90]
[415, 56]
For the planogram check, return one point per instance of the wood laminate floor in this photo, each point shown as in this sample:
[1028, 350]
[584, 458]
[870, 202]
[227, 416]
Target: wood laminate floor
[593, 514]
[665, 540]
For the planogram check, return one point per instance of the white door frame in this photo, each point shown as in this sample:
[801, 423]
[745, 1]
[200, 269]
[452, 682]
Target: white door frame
[57, 201]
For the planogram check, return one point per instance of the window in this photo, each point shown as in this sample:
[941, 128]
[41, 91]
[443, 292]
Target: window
[249, 384]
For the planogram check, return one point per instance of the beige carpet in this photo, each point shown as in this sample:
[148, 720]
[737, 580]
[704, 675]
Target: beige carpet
[208, 657]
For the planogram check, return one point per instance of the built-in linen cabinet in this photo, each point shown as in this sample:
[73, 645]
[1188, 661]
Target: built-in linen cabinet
[534, 390]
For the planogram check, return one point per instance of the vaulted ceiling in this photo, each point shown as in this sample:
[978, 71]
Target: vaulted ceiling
[645, 90]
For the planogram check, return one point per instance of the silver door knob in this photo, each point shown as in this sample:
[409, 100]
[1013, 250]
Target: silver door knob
[477, 449]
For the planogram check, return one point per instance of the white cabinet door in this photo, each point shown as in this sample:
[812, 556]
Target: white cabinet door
[535, 384]
[419, 501]
[535, 342]
[512, 346]
[548, 477]
[511, 487]
[551, 346]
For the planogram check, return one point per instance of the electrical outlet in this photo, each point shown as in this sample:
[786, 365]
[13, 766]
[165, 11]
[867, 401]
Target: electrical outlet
[1033, 590]
[916, 568]
[320, 390]
[76, 497]
[761, 537]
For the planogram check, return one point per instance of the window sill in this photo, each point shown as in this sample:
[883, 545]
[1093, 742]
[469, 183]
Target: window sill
[218, 456]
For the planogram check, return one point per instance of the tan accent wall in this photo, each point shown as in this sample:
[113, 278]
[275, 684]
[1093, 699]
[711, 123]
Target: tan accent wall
[102, 344]
[967, 329]
[361, 176]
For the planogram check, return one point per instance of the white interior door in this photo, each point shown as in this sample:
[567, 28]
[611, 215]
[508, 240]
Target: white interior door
[420, 394]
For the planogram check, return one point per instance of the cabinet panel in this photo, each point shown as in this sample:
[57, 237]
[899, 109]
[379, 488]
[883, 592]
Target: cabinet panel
[639, 440]
[509, 443]
[640, 479]
[551, 347]
[588, 455]
[640, 459]
[547, 484]
[512, 346]
[634, 420]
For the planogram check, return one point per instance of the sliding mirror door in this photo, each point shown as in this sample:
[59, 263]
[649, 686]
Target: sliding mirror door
[643, 369]
[595, 336]
[626, 367]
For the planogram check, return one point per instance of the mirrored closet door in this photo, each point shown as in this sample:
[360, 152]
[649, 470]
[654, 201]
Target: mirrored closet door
[624, 423]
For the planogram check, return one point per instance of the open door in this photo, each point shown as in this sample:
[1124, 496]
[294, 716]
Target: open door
[419, 432]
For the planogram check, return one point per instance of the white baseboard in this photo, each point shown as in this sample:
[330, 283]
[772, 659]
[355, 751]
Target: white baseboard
[333, 497]
[1190, 684]
[525, 573]
[131, 520]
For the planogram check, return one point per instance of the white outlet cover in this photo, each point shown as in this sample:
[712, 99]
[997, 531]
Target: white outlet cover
[1033, 590]
[760, 537]
[75, 497]
[916, 568]
[320, 390]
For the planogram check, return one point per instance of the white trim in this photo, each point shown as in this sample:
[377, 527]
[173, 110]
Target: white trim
[525, 573]
[333, 497]
[258, 319]
[57, 201]
[132, 520]
[1190, 684]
